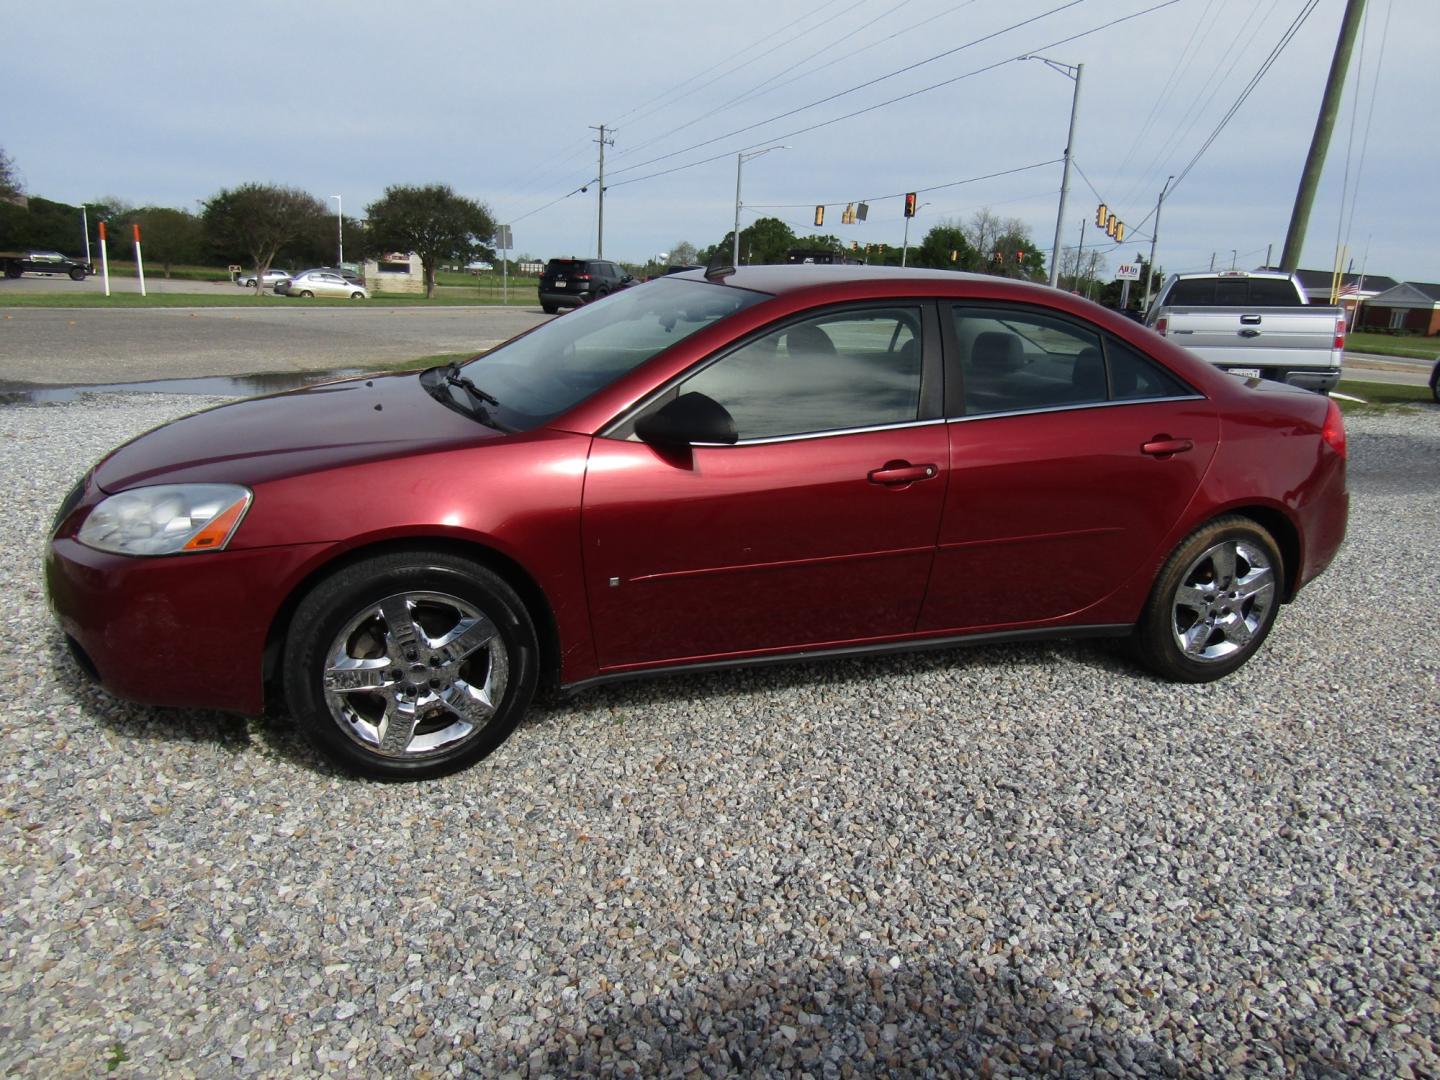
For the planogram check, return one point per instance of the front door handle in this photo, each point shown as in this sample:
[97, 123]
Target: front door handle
[1249, 333]
[1162, 446]
[895, 473]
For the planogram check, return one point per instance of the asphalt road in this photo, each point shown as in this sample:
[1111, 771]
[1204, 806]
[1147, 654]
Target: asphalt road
[85, 345]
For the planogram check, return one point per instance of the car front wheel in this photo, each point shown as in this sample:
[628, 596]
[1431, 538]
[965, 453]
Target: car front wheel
[410, 665]
[77, 274]
[357, 296]
[306, 293]
[1213, 603]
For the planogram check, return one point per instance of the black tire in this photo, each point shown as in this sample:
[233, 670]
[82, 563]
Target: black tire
[549, 309]
[250, 284]
[1435, 382]
[77, 273]
[1213, 603]
[390, 616]
[357, 296]
[306, 293]
[13, 271]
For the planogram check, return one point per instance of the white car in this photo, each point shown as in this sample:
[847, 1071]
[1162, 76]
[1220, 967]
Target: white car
[324, 283]
[270, 279]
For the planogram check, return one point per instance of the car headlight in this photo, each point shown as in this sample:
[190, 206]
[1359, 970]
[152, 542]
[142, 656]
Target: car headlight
[167, 519]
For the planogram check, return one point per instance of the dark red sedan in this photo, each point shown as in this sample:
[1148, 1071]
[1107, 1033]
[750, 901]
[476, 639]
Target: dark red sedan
[778, 462]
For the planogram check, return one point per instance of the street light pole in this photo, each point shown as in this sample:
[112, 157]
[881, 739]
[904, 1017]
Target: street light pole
[339, 230]
[1073, 72]
[740, 160]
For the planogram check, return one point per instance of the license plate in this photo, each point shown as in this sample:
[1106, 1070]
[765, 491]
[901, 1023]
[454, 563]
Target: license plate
[1245, 372]
[559, 282]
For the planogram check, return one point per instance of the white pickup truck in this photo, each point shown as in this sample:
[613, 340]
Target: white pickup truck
[1256, 324]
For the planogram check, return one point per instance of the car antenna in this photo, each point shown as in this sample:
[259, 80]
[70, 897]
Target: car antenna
[719, 267]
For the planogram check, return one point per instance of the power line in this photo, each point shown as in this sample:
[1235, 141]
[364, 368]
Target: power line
[862, 86]
[746, 93]
[1269, 62]
[891, 101]
[917, 191]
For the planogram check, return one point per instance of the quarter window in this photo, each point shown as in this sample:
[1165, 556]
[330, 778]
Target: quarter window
[840, 371]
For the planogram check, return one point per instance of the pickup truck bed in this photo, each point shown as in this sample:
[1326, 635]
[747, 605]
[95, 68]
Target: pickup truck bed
[1297, 345]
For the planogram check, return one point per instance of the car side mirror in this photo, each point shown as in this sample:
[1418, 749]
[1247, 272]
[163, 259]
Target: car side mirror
[689, 419]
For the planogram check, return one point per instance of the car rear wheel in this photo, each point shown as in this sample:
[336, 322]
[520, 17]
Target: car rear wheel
[13, 271]
[1213, 603]
[410, 665]
[549, 309]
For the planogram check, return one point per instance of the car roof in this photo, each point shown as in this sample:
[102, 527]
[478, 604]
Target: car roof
[779, 279]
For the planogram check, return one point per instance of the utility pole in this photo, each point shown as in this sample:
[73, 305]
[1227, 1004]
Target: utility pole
[1154, 237]
[1079, 255]
[1320, 142]
[600, 218]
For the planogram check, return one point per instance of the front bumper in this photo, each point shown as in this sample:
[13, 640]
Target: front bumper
[183, 630]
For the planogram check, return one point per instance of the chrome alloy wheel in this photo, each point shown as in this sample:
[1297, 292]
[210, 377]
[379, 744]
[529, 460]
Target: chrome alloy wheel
[416, 674]
[1223, 600]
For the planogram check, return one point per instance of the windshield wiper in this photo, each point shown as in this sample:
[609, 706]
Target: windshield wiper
[454, 378]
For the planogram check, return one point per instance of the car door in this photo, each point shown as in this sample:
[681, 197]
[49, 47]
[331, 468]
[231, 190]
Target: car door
[816, 528]
[1072, 456]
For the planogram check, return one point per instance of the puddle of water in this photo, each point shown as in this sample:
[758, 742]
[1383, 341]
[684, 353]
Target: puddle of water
[238, 386]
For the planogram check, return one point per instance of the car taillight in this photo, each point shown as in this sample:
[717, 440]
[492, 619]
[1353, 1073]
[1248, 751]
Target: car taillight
[1340, 332]
[1334, 431]
[582, 277]
[1160, 325]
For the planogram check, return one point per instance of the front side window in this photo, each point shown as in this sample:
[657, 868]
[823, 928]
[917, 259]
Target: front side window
[840, 371]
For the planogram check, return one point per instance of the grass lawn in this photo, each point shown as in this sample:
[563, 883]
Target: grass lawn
[245, 298]
[1381, 397]
[1423, 348]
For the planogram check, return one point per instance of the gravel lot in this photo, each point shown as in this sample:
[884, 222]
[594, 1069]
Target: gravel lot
[1007, 861]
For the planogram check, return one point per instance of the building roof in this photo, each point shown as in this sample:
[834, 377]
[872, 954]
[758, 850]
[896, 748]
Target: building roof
[1420, 294]
[1319, 281]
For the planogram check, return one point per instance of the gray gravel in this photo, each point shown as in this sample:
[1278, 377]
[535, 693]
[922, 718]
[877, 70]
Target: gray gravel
[1003, 861]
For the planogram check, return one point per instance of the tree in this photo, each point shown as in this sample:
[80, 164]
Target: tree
[764, 242]
[10, 189]
[170, 236]
[259, 219]
[683, 253]
[433, 221]
[945, 247]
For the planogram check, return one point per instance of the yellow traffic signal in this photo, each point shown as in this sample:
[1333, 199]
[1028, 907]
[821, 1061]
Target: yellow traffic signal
[820, 215]
[1120, 231]
[1102, 215]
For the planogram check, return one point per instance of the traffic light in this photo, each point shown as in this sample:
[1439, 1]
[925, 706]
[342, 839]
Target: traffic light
[1110, 226]
[1102, 215]
[854, 245]
[820, 215]
[1120, 231]
[1019, 256]
[910, 204]
[862, 210]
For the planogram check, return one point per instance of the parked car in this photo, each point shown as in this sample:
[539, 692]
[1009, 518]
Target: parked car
[270, 279]
[789, 461]
[15, 263]
[310, 283]
[571, 282]
[1435, 381]
[1255, 324]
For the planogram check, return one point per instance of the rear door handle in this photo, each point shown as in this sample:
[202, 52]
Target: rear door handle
[1249, 333]
[894, 473]
[1250, 320]
[1162, 446]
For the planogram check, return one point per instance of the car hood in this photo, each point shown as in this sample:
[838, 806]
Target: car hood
[318, 427]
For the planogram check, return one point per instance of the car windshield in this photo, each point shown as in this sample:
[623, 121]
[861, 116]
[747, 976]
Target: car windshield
[560, 363]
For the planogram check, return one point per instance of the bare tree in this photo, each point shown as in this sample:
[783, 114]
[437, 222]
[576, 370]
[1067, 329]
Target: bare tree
[10, 189]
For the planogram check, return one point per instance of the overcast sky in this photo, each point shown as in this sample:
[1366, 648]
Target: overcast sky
[165, 103]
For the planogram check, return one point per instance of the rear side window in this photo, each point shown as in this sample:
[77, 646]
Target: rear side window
[1022, 361]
